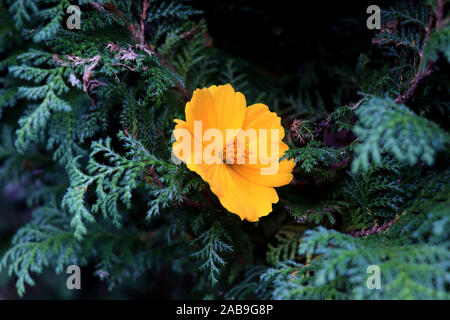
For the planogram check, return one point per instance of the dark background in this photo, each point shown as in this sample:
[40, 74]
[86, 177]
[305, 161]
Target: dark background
[284, 39]
[279, 35]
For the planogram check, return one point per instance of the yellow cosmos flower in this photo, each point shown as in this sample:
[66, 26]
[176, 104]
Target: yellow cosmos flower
[241, 174]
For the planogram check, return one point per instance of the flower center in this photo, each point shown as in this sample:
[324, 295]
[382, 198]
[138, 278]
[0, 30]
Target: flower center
[236, 153]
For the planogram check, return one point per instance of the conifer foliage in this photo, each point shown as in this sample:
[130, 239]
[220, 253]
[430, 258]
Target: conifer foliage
[86, 134]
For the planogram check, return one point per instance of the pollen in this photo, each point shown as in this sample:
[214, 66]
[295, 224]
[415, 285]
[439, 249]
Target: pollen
[236, 153]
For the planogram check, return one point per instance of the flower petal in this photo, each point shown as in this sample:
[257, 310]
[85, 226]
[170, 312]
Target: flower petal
[230, 107]
[201, 108]
[258, 117]
[253, 173]
[238, 195]
[178, 146]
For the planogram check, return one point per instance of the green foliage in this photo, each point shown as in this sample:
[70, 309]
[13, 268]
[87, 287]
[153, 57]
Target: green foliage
[412, 268]
[413, 257]
[288, 239]
[86, 135]
[48, 94]
[438, 43]
[385, 126]
[212, 244]
[47, 241]
[314, 155]
[377, 191]
[37, 245]
[317, 212]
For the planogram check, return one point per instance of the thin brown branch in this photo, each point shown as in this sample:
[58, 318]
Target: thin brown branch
[375, 229]
[138, 31]
[113, 9]
[143, 16]
[420, 75]
[439, 13]
[193, 203]
[186, 201]
[357, 104]
[151, 171]
[190, 34]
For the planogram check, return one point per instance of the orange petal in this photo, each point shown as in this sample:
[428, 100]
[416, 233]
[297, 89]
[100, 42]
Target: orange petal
[258, 117]
[230, 107]
[238, 195]
[201, 108]
[253, 173]
[179, 150]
